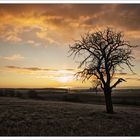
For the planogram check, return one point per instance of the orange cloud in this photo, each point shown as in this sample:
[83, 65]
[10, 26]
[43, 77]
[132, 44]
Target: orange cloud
[40, 26]
[56, 24]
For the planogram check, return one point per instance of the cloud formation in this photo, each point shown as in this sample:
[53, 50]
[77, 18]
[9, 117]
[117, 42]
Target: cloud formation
[60, 73]
[72, 71]
[63, 75]
[25, 68]
[127, 76]
[57, 25]
[46, 24]
[14, 57]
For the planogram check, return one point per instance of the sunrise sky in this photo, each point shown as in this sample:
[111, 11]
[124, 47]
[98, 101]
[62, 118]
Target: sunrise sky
[34, 41]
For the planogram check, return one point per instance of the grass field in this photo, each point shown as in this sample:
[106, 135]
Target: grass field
[30, 117]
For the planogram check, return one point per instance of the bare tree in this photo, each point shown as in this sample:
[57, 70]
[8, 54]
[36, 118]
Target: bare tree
[101, 54]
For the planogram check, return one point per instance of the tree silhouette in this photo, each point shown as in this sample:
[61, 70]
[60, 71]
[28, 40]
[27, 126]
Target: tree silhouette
[101, 54]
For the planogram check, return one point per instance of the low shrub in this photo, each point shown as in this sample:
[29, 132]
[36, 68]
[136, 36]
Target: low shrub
[32, 94]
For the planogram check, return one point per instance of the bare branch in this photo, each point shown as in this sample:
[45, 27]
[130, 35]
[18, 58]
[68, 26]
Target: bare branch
[102, 52]
[117, 82]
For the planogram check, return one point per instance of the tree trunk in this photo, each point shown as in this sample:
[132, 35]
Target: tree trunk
[108, 100]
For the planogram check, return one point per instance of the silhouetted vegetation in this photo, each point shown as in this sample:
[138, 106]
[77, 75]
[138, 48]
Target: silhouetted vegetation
[7, 92]
[101, 54]
[20, 94]
[123, 97]
[32, 94]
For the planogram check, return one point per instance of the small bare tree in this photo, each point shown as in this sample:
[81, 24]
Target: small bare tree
[101, 54]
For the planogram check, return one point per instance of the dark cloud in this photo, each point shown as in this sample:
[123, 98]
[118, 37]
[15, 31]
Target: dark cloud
[12, 67]
[35, 68]
[53, 9]
[128, 16]
[69, 69]
[122, 73]
[123, 15]
[63, 18]
[25, 68]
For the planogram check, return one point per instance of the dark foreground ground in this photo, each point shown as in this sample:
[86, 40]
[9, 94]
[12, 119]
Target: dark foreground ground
[30, 117]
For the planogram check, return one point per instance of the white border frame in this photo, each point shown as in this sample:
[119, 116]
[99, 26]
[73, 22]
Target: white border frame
[70, 2]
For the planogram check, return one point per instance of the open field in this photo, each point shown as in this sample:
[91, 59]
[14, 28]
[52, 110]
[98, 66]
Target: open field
[29, 117]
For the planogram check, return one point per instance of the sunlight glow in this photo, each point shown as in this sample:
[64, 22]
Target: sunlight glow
[65, 79]
[35, 41]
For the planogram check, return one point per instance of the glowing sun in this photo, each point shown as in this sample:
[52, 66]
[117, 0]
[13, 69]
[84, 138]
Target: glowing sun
[65, 79]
